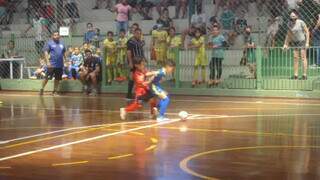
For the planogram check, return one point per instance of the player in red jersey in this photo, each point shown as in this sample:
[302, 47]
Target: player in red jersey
[142, 90]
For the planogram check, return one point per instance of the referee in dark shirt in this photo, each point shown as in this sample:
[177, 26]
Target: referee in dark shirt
[134, 49]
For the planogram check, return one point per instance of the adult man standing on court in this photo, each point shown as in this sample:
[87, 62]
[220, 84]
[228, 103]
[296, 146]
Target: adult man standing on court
[135, 49]
[54, 52]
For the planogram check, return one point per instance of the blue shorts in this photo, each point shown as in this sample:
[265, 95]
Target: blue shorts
[158, 90]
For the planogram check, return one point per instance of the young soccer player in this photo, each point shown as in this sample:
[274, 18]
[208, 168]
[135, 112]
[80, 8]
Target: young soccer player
[76, 61]
[159, 91]
[122, 55]
[111, 56]
[201, 61]
[159, 43]
[142, 89]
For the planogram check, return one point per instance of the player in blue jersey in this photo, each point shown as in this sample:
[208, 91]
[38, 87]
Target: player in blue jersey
[159, 91]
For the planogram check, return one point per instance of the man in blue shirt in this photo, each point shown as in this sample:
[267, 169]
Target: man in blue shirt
[54, 52]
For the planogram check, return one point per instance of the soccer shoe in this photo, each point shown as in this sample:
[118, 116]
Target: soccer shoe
[1, 102]
[55, 93]
[93, 92]
[161, 119]
[123, 113]
[155, 111]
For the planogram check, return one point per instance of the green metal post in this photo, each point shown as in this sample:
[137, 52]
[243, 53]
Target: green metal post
[104, 69]
[177, 73]
[259, 67]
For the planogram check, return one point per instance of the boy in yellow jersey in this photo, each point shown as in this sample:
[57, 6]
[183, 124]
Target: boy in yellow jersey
[111, 56]
[201, 61]
[122, 55]
[159, 43]
[174, 43]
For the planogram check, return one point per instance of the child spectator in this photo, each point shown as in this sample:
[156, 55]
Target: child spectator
[97, 38]
[159, 44]
[217, 45]
[174, 44]
[40, 72]
[241, 24]
[181, 5]
[249, 51]
[111, 56]
[165, 20]
[90, 34]
[86, 46]
[201, 61]
[227, 21]
[76, 61]
[122, 55]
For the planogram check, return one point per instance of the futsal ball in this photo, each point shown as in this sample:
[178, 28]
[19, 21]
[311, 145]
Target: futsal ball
[183, 115]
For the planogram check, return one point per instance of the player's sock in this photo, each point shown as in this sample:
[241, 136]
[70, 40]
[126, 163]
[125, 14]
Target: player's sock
[109, 73]
[195, 73]
[130, 87]
[133, 107]
[153, 104]
[163, 105]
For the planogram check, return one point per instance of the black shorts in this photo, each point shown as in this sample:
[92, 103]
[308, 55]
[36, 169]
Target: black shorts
[146, 97]
[54, 72]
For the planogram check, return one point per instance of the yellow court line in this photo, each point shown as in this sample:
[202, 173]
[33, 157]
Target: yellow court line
[5, 167]
[70, 163]
[119, 157]
[184, 162]
[236, 132]
[154, 140]
[54, 137]
[138, 133]
[150, 147]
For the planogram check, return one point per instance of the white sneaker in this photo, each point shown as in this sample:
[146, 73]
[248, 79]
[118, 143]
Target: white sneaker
[161, 119]
[155, 111]
[123, 113]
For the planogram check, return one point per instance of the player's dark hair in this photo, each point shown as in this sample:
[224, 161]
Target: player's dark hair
[138, 29]
[170, 63]
[122, 30]
[172, 28]
[135, 24]
[89, 24]
[110, 33]
[55, 31]
[87, 50]
[138, 60]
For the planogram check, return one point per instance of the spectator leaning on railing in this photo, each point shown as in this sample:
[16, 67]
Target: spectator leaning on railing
[298, 38]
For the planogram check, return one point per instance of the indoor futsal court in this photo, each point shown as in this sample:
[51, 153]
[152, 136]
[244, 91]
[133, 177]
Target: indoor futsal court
[75, 137]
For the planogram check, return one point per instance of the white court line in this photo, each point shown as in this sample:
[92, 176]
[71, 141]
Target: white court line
[71, 129]
[293, 102]
[89, 139]
[254, 115]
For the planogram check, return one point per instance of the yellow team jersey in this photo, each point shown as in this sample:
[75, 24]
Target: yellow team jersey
[111, 47]
[201, 42]
[160, 38]
[201, 58]
[122, 52]
[174, 41]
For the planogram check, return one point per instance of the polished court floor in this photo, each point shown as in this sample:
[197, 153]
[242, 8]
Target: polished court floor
[76, 137]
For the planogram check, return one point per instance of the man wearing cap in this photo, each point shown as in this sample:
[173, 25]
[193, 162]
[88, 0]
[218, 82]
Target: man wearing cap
[158, 43]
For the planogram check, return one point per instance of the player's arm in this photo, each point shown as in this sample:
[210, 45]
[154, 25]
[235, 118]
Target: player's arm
[129, 55]
[287, 40]
[152, 73]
